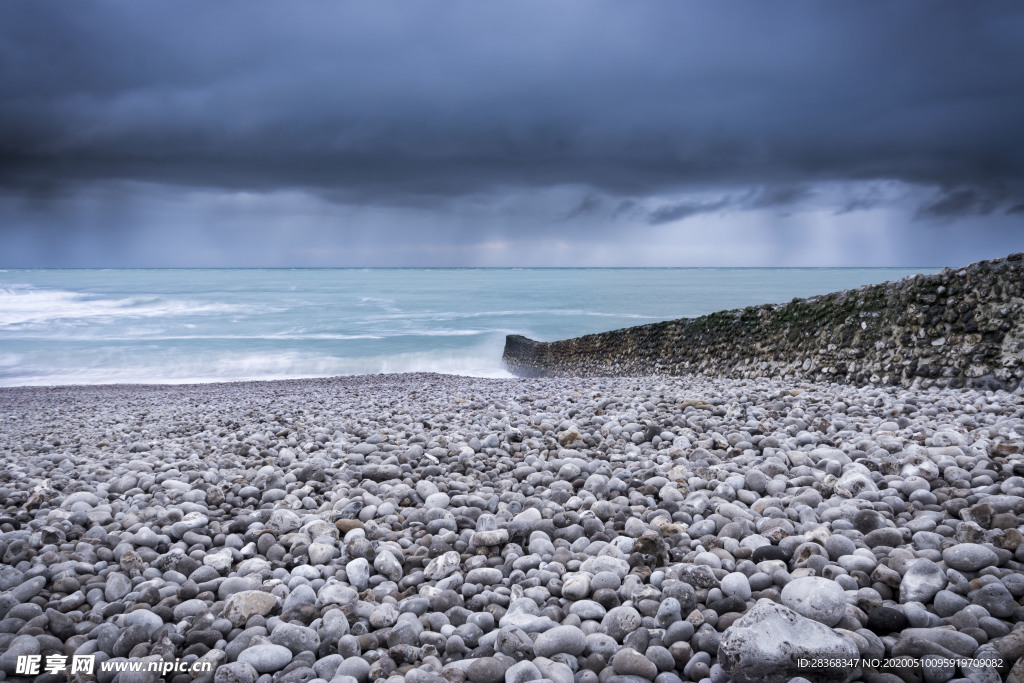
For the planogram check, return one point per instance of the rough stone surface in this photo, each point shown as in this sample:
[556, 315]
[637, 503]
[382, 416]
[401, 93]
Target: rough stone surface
[266, 658]
[969, 557]
[766, 643]
[629, 662]
[873, 334]
[922, 581]
[241, 606]
[565, 639]
[815, 598]
[236, 672]
[522, 672]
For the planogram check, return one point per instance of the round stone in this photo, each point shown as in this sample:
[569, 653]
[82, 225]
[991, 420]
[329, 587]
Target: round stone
[922, 580]
[144, 617]
[118, 585]
[838, 545]
[492, 537]
[283, 521]
[669, 612]
[620, 622]
[629, 662]
[888, 537]
[769, 552]
[755, 480]
[769, 642]
[514, 643]
[708, 559]
[660, 657]
[295, 637]
[320, 553]
[948, 603]
[236, 672]
[356, 667]
[189, 608]
[567, 639]
[245, 604]
[576, 587]
[605, 580]
[18, 647]
[522, 672]
[129, 638]
[885, 620]
[383, 616]
[995, 598]
[266, 657]
[969, 557]
[816, 598]
[486, 670]
[588, 609]
[437, 500]
[442, 566]
[484, 576]
[236, 584]
[737, 585]
[358, 573]
[388, 565]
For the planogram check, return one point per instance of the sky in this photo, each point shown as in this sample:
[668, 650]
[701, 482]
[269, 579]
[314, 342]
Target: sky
[136, 133]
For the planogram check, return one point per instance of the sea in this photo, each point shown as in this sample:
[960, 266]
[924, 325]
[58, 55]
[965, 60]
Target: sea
[145, 326]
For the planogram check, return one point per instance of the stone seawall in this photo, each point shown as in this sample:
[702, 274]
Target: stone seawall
[961, 327]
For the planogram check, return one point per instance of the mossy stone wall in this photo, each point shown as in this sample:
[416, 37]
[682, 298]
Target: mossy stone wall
[961, 327]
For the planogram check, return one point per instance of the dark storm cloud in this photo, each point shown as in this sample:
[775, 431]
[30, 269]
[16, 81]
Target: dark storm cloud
[675, 212]
[779, 196]
[761, 198]
[420, 102]
[862, 200]
[965, 201]
[589, 205]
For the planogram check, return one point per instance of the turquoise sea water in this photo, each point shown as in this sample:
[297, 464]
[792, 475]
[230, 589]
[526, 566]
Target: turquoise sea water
[164, 326]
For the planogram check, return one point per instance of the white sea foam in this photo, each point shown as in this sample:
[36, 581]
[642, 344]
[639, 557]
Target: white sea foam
[386, 304]
[22, 305]
[442, 333]
[137, 334]
[232, 367]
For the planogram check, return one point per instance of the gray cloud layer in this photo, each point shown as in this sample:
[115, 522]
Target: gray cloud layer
[426, 104]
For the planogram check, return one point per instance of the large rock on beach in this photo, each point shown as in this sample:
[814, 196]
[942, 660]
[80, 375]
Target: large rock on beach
[772, 644]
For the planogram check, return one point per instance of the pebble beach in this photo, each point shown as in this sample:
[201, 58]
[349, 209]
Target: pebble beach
[428, 528]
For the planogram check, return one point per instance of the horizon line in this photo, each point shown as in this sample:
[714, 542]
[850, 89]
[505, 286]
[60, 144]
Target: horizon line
[101, 268]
